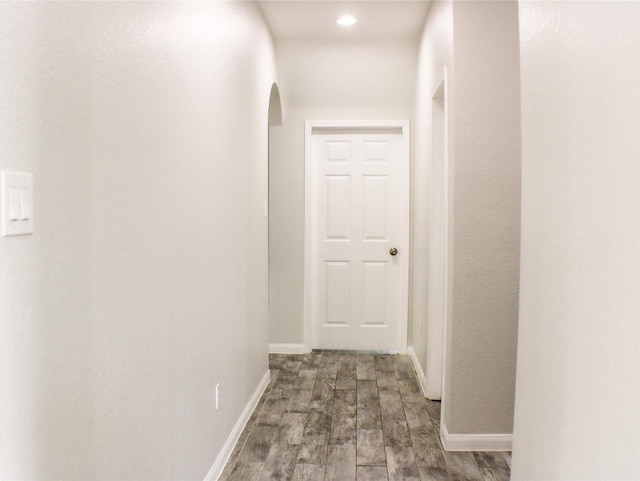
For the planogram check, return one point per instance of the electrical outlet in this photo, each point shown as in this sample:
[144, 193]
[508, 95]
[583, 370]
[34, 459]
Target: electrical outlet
[217, 396]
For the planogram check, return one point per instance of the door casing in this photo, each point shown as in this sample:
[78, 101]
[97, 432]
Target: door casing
[312, 126]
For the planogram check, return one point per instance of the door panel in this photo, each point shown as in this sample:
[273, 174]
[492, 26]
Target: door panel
[374, 226]
[374, 306]
[338, 293]
[338, 206]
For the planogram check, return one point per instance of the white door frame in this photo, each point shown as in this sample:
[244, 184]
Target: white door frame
[346, 125]
[436, 335]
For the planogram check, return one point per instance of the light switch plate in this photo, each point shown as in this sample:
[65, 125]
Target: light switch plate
[16, 197]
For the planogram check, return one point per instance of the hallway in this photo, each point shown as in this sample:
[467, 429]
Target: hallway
[341, 417]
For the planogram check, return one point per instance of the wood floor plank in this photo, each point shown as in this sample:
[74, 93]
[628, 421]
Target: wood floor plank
[308, 472]
[365, 368]
[371, 473]
[271, 412]
[367, 390]
[281, 391]
[491, 460]
[328, 367]
[383, 362]
[396, 433]
[300, 401]
[506, 455]
[387, 380]
[343, 429]
[418, 419]
[345, 402]
[311, 360]
[370, 448]
[462, 466]
[249, 471]
[368, 416]
[495, 474]
[341, 463]
[434, 412]
[430, 459]
[324, 390]
[291, 365]
[394, 423]
[280, 462]
[391, 405]
[259, 442]
[401, 464]
[318, 423]
[404, 368]
[292, 428]
[312, 452]
[306, 379]
[410, 391]
[346, 376]
[276, 361]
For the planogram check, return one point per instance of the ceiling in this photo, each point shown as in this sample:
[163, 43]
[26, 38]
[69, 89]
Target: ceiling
[316, 19]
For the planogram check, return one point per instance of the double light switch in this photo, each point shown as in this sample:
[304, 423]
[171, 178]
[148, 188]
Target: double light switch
[16, 190]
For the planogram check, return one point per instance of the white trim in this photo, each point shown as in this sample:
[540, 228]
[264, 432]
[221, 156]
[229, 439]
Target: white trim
[308, 234]
[447, 244]
[418, 368]
[218, 465]
[309, 125]
[357, 124]
[405, 237]
[287, 349]
[475, 442]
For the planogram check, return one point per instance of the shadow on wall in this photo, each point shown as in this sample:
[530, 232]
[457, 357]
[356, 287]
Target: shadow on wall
[275, 106]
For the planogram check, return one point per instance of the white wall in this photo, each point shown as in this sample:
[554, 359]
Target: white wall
[321, 81]
[577, 414]
[347, 74]
[145, 281]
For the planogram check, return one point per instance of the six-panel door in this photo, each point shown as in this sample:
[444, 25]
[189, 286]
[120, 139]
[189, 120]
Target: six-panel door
[357, 220]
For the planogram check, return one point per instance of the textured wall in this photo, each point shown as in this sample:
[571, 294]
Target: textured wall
[145, 282]
[481, 340]
[321, 81]
[478, 44]
[579, 335]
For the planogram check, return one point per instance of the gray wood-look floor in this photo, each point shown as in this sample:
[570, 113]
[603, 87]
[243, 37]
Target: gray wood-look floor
[346, 417]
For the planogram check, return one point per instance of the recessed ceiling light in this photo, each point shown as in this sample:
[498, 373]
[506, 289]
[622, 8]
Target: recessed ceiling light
[346, 20]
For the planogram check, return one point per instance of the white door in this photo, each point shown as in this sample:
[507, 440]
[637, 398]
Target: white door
[359, 254]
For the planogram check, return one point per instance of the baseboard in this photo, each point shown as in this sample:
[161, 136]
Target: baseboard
[287, 349]
[422, 379]
[475, 442]
[218, 465]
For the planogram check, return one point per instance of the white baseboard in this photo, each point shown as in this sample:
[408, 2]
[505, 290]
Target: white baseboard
[287, 349]
[475, 442]
[218, 465]
[416, 365]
